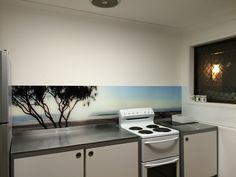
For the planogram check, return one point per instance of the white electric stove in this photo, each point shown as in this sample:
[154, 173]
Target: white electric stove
[159, 145]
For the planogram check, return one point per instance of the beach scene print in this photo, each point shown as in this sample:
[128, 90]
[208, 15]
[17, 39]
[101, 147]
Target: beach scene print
[44, 107]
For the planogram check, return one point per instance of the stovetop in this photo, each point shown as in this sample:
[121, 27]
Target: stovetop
[148, 129]
[140, 121]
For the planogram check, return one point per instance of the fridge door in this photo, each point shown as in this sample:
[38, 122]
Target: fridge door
[4, 150]
[4, 94]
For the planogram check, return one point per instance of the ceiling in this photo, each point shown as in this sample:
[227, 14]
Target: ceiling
[183, 14]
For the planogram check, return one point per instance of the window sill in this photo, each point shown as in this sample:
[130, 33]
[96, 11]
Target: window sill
[210, 104]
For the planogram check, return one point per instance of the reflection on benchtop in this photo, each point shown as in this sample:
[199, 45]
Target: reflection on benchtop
[81, 136]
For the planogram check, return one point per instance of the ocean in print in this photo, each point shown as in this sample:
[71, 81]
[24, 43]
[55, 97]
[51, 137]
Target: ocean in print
[42, 107]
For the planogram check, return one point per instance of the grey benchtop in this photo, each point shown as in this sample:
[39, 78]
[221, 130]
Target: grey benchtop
[39, 142]
[192, 128]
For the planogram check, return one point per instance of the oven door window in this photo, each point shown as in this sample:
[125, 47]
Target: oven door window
[168, 170]
[168, 167]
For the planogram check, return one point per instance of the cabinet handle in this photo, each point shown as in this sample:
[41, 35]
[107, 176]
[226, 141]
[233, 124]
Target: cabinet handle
[186, 139]
[90, 153]
[78, 155]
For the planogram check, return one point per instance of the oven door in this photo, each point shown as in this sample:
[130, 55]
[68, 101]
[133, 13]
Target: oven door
[168, 167]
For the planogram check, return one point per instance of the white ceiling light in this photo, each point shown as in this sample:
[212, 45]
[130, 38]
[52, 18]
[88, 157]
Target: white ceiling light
[105, 3]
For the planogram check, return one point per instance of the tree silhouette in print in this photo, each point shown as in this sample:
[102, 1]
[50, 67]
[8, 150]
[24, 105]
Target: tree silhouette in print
[31, 99]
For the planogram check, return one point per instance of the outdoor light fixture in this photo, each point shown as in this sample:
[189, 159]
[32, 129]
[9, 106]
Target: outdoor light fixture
[215, 71]
[105, 3]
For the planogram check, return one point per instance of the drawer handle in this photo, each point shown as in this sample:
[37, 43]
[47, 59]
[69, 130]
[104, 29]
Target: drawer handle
[78, 155]
[161, 141]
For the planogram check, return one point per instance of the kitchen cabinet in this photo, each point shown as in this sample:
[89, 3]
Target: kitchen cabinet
[112, 161]
[70, 163]
[119, 160]
[199, 156]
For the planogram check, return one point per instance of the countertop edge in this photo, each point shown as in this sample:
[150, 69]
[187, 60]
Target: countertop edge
[200, 131]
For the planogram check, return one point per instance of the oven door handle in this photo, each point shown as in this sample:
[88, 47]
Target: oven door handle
[161, 163]
[161, 141]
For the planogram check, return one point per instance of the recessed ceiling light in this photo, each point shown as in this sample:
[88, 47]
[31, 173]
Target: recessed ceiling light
[105, 3]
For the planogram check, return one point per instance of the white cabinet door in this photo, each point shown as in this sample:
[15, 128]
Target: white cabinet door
[200, 154]
[63, 164]
[113, 161]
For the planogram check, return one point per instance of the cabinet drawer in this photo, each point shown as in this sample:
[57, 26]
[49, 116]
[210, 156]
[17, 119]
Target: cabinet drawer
[160, 147]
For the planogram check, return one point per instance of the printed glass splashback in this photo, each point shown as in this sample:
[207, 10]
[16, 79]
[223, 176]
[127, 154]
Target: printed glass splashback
[42, 107]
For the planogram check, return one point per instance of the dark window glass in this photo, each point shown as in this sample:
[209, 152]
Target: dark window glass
[168, 170]
[215, 71]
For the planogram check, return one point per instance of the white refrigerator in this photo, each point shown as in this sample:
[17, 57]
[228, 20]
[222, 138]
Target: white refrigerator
[5, 125]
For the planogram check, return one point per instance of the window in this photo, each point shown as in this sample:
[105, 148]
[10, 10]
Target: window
[215, 71]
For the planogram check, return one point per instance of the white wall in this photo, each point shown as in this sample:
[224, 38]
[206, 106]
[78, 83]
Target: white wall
[62, 48]
[223, 115]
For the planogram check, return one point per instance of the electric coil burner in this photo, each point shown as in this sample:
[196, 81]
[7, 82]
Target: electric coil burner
[135, 128]
[161, 129]
[159, 145]
[145, 132]
[152, 126]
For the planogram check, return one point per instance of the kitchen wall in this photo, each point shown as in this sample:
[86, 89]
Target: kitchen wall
[50, 46]
[53, 47]
[222, 115]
